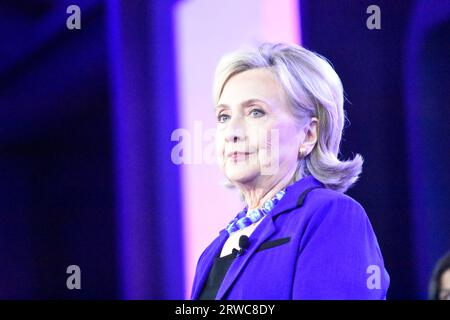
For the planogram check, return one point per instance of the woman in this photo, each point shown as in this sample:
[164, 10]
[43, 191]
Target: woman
[439, 287]
[279, 124]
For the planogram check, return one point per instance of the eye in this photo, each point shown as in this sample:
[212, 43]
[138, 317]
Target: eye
[257, 113]
[222, 118]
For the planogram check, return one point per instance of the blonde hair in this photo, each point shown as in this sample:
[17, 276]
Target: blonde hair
[313, 89]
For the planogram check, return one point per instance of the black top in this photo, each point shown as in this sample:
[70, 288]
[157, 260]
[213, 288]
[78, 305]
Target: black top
[216, 275]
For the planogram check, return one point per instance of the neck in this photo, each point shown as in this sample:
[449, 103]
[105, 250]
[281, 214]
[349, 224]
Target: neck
[255, 194]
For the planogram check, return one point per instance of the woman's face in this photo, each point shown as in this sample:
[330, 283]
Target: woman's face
[444, 294]
[257, 137]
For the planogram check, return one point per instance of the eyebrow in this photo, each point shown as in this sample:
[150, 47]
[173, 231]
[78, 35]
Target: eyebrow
[245, 104]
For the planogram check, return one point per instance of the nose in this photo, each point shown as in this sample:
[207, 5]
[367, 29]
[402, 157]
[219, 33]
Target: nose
[235, 132]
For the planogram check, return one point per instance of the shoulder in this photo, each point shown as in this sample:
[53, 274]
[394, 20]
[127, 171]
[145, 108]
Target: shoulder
[325, 214]
[325, 196]
[335, 219]
[333, 216]
[324, 202]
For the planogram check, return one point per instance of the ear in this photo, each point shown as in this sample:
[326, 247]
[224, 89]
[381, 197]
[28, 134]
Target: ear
[311, 135]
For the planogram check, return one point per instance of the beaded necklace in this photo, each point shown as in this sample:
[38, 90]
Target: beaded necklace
[245, 218]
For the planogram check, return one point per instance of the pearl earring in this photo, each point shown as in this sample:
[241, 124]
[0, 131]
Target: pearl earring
[302, 151]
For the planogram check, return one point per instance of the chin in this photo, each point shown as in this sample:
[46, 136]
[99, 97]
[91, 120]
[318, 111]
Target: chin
[241, 176]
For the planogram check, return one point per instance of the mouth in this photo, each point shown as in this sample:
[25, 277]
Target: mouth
[238, 156]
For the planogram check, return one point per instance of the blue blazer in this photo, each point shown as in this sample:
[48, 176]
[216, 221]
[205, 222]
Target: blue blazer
[312, 245]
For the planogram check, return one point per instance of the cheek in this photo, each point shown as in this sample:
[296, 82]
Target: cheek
[289, 142]
[269, 138]
[267, 143]
[262, 136]
[220, 149]
[279, 141]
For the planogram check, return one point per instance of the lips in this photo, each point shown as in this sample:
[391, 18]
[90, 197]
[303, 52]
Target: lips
[238, 155]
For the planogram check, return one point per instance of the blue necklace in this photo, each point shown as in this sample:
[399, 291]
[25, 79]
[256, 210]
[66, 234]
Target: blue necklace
[246, 218]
